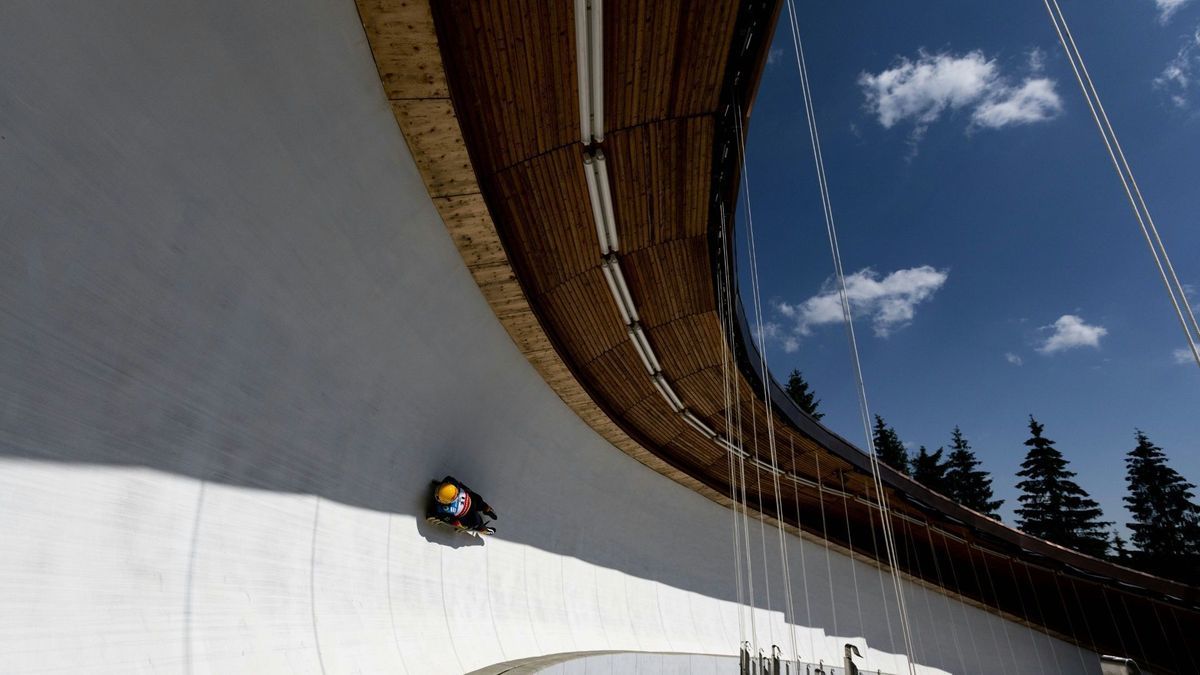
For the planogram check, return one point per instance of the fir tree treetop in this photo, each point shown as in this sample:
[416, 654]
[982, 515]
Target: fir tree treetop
[1166, 521]
[965, 481]
[798, 390]
[1053, 506]
[888, 446]
[929, 470]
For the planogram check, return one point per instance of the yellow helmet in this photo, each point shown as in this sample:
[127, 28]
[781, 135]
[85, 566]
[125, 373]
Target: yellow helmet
[447, 493]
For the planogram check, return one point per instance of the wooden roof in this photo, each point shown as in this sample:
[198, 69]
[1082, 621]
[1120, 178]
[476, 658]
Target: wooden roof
[497, 139]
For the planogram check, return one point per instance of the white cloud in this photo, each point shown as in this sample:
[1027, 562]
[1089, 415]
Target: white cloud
[1034, 101]
[1037, 60]
[1013, 359]
[770, 331]
[924, 88]
[1070, 331]
[1167, 8]
[1182, 355]
[920, 90]
[889, 302]
[773, 55]
[1178, 77]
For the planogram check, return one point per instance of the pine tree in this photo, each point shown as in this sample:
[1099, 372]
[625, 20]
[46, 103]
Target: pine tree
[888, 446]
[797, 389]
[929, 470]
[1166, 522]
[966, 483]
[1053, 506]
[1119, 552]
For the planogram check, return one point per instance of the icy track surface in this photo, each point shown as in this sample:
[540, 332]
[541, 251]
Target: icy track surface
[236, 343]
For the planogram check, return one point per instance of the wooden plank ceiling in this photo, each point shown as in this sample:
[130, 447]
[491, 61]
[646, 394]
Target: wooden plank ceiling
[511, 74]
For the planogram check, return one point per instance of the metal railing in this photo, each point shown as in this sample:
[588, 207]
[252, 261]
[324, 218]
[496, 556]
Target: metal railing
[775, 664]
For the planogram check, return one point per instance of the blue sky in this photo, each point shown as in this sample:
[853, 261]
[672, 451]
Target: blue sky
[1007, 275]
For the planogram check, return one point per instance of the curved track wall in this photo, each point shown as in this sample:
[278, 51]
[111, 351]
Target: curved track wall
[235, 344]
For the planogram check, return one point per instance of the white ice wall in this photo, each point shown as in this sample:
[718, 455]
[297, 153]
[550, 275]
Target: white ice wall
[235, 345]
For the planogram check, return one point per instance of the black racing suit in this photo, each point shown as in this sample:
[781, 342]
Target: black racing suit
[474, 508]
